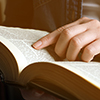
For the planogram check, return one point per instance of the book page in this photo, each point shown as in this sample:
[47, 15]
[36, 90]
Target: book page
[89, 71]
[23, 39]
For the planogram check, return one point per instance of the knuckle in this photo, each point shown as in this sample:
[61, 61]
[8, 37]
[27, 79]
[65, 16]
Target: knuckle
[76, 42]
[94, 21]
[61, 29]
[67, 32]
[45, 38]
[83, 18]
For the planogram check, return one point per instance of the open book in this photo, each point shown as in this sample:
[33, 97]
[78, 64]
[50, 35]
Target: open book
[22, 65]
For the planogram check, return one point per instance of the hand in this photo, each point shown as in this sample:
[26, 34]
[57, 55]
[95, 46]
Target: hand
[69, 40]
[33, 94]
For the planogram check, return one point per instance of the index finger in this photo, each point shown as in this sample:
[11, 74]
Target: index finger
[52, 37]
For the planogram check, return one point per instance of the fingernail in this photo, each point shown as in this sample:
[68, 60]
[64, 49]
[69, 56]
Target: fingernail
[37, 44]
